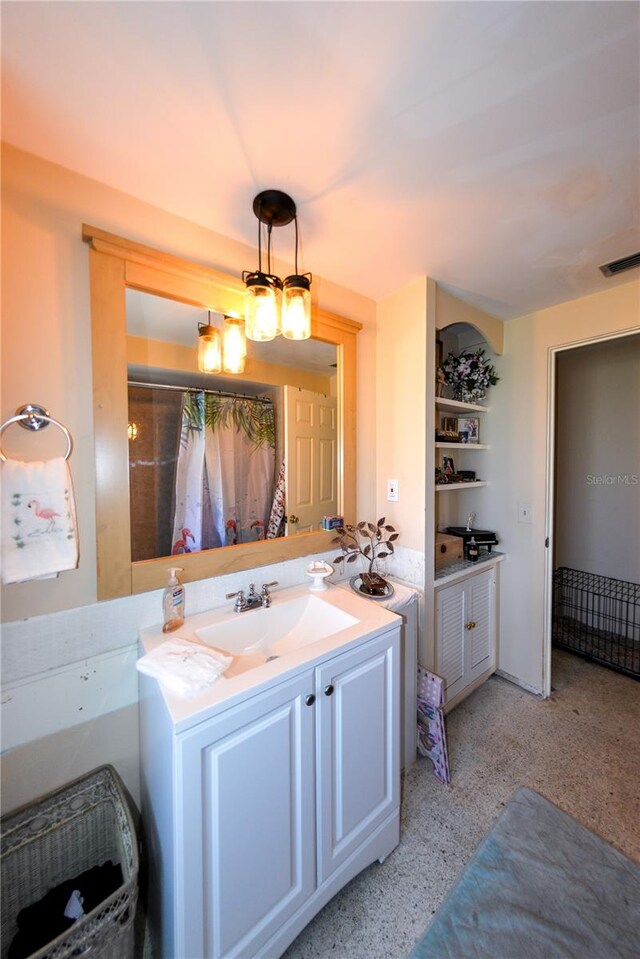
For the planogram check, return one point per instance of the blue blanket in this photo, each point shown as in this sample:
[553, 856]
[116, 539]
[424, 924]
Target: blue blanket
[540, 886]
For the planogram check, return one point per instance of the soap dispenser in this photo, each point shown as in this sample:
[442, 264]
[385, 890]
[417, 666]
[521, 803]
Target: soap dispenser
[173, 602]
[473, 550]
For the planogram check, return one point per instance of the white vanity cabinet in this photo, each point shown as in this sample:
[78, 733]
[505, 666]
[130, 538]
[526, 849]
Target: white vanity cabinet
[358, 738]
[466, 633]
[256, 817]
[247, 824]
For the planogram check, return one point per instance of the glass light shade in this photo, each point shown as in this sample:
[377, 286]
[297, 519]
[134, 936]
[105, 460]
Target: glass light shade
[234, 345]
[296, 309]
[209, 349]
[262, 309]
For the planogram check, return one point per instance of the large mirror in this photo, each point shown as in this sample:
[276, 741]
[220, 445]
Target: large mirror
[145, 309]
[219, 460]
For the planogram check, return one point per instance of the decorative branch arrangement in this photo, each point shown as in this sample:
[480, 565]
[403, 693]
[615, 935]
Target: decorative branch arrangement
[374, 542]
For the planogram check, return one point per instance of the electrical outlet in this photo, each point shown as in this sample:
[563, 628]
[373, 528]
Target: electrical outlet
[525, 513]
[392, 491]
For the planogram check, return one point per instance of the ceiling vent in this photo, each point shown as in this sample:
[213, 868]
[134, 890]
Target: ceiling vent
[619, 266]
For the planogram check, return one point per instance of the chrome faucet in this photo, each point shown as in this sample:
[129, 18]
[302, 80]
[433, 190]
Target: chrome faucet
[252, 600]
[265, 596]
[470, 520]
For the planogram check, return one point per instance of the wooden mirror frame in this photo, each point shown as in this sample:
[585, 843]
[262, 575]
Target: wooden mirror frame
[116, 265]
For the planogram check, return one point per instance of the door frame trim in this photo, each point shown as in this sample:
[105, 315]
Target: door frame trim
[552, 355]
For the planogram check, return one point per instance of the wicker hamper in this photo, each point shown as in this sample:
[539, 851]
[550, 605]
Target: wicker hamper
[55, 839]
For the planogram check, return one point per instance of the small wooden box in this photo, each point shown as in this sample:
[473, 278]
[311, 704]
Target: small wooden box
[449, 549]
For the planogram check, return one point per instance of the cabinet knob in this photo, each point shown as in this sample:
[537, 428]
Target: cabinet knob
[470, 625]
[328, 690]
[310, 699]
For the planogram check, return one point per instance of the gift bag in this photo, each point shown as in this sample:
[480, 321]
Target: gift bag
[432, 739]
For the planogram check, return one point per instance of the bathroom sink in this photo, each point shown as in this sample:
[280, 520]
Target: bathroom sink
[261, 635]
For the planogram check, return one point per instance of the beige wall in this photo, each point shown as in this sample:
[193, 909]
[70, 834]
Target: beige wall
[401, 359]
[597, 507]
[519, 408]
[46, 332]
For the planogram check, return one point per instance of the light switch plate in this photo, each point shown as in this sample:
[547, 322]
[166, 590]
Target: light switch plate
[392, 490]
[525, 513]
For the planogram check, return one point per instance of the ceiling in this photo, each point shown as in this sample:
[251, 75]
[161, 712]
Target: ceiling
[493, 146]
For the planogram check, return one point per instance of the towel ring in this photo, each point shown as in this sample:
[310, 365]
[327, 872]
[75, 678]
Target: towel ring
[33, 417]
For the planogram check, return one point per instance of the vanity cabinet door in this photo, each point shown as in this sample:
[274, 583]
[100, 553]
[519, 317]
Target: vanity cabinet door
[248, 820]
[466, 631]
[358, 747]
[479, 612]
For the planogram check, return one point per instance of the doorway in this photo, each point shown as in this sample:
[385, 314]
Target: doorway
[592, 600]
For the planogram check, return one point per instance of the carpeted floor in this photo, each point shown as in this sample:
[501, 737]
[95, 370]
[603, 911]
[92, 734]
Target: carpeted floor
[580, 749]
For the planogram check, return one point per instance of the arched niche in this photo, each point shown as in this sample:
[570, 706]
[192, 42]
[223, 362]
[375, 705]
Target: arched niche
[451, 311]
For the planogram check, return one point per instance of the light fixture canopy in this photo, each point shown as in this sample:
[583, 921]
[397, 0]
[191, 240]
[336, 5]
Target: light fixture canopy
[271, 306]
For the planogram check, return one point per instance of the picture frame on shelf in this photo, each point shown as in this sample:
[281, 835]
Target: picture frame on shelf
[469, 429]
[448, 467]
[449, 424]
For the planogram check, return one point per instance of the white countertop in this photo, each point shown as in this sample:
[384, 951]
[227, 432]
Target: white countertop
[455, 571]
[373, 619]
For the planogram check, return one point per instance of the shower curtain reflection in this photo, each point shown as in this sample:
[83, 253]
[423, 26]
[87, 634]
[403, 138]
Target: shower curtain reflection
[222, 471]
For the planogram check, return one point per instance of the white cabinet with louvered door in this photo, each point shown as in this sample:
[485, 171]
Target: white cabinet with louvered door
[479, 625]
[451, 638]
[465, 632]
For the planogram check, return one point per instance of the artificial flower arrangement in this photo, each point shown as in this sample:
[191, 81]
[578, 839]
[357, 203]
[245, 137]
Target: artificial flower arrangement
[374, 542]
[469, 373]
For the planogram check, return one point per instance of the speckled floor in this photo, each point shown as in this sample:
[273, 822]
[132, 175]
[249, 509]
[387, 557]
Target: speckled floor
[580, 749]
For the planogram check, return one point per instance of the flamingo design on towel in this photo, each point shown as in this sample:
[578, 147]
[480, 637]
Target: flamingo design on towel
[39, 531]
[47, 514]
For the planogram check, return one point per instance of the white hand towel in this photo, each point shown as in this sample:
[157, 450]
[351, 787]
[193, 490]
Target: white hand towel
[185, 668]
[39, 533]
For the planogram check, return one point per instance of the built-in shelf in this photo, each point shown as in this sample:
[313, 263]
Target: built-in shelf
[457, 406]
[447, 487]
[461, 446]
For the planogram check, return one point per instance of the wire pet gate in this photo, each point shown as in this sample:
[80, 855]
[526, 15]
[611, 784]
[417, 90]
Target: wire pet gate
[597, 617]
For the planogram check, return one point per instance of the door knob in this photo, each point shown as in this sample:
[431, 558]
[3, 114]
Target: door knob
[293, 519]
[470, 625]
[328, 690]
[310, 699]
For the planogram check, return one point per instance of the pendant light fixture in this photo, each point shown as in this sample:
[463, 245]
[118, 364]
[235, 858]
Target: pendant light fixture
[234, 345]
[296, 302]
[209, 348]
[264, 291]
[222, 352]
